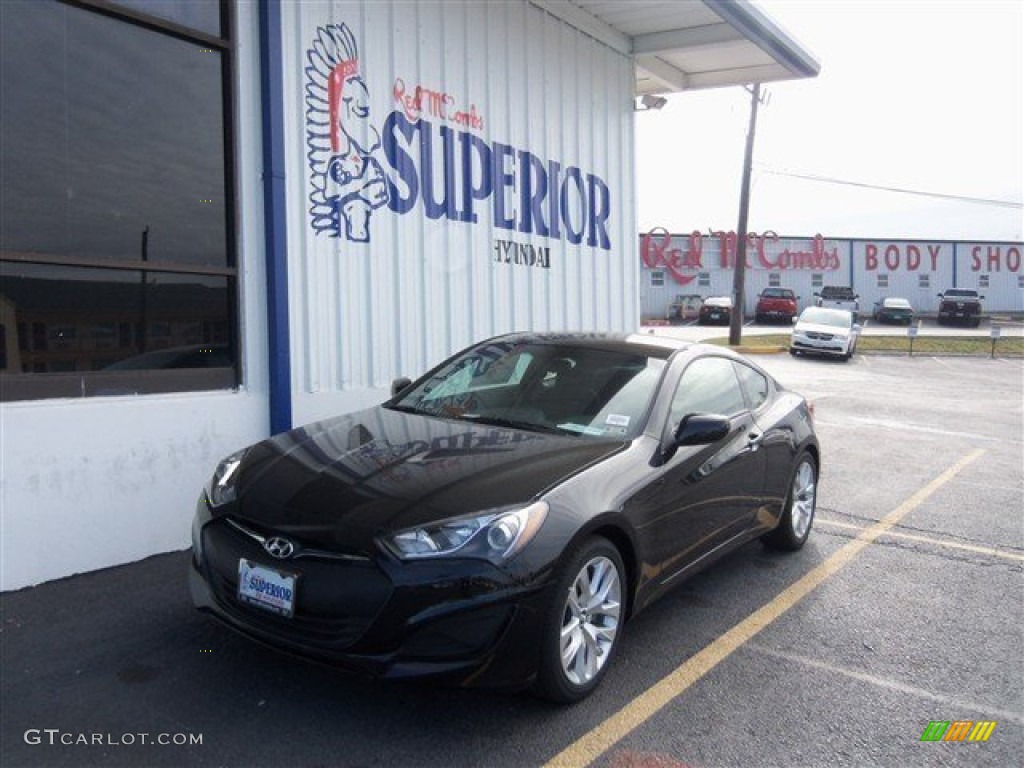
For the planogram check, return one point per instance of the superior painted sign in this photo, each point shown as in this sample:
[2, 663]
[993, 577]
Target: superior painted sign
[440, 167]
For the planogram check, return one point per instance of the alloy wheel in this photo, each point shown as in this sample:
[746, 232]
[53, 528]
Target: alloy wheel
[803, 495]
[590, 620]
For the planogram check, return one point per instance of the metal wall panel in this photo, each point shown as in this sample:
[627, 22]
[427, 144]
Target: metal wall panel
[417, 286]
[913, 269]
[701, 263]
[995, 271]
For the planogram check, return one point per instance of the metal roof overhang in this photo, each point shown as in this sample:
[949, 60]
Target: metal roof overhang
[683, 45]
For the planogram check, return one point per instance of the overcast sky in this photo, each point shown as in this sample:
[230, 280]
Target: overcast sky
[924, 96]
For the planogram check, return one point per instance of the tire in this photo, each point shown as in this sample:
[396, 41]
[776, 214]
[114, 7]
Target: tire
[759, 319]
[798, 515]
[580, 637]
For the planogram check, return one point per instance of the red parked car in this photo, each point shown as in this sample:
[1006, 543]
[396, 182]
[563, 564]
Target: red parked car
[776, 304]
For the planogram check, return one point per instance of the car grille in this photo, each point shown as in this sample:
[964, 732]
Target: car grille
[820, 336]
[336, 599]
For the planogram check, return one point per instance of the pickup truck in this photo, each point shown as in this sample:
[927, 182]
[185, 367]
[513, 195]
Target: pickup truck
[960, 305]
[839, 297]
[776, 304]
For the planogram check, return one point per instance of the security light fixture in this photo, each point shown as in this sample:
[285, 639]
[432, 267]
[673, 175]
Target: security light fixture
[650, 101]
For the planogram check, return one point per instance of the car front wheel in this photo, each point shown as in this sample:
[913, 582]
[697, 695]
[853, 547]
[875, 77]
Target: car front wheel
[584, 622]
[795, 524]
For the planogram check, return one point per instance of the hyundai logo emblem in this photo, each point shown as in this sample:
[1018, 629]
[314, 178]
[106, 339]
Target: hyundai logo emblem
[279, 548]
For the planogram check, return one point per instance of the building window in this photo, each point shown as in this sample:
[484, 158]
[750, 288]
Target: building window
[924, 281]
[774, 280]
[883, 281]
[704, 280]
[983, 281]
[817, 280]
[117, 243]
[657, 278]
[1020, 281]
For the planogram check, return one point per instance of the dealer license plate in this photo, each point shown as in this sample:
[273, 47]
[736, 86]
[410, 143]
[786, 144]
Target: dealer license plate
[266, 588]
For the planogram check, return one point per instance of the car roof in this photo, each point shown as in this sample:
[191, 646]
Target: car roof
[629, 343]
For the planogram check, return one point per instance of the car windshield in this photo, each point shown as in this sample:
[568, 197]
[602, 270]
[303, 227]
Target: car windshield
[963, 294]
[897, 304]
[593, 391]
[823, 316]
[777, 293]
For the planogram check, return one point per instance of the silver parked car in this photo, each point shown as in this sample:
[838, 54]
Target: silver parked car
[824, 331]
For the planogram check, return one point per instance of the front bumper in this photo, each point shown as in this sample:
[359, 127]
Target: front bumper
[457, 621]
[837, 347]
[962, 315]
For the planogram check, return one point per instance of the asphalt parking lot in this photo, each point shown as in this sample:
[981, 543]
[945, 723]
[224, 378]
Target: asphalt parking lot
[905, 607]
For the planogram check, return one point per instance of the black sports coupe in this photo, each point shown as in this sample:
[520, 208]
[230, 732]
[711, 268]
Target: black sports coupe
[497, 521]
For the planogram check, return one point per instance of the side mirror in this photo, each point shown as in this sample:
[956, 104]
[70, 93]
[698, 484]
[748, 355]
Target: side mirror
[857, 327]
[701, 429]
[399, 384]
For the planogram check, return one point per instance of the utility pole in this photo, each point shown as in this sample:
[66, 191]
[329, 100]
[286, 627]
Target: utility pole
[740, 265]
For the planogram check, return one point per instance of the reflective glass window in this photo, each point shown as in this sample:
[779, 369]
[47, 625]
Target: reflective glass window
[117, 264]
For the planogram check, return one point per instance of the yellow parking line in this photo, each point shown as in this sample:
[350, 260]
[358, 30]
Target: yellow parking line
[929, 540]
[592, 745]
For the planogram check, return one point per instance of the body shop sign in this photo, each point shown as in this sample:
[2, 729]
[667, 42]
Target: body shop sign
[431, 157]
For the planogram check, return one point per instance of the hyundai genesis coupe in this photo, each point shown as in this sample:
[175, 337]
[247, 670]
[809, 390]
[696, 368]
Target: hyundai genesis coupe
[498, 521]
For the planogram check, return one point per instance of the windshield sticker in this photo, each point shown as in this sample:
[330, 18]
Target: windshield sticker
[581, 428]
[617, 420]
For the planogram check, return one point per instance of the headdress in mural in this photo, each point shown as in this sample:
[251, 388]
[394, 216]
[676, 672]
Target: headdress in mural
[347, 181]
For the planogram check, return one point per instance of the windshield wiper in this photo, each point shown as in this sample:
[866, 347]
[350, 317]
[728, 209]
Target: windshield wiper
[407, 409]
[528, 426]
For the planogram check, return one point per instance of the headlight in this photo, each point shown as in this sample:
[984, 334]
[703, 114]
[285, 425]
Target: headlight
[221, 489]
[495, 535]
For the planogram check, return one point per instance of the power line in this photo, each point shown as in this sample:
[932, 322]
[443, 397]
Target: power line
[848, 183]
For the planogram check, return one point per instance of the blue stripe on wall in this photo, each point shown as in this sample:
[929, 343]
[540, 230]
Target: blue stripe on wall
[272, 95]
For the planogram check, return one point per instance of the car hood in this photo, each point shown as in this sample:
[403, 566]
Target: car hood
[820, 328]
[340, 483]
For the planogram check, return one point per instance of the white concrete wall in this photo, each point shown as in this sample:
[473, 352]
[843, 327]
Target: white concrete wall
[101, 481]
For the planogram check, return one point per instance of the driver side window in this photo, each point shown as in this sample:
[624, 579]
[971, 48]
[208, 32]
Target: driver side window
[708, 385]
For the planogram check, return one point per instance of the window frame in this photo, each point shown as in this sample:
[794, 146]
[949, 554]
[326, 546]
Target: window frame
[21, 385]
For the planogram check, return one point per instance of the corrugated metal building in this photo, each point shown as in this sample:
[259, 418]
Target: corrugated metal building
[699, 265]
[225, 218]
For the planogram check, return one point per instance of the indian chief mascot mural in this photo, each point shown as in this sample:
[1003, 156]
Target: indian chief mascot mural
[347, 180]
